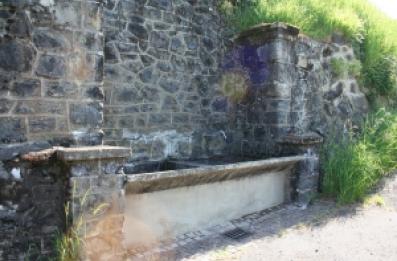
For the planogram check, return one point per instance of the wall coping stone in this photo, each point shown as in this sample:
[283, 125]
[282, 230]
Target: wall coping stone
[92, 153]
[266, 31]
[11, 151]
[78, 153]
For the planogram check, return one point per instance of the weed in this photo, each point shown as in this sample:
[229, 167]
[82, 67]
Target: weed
[69, 246]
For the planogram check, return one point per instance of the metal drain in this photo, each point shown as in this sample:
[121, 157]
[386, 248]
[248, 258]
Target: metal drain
[237, 234]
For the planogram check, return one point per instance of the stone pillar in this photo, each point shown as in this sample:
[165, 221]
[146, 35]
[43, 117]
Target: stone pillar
[96, 195]
[266, 53]
[306, 178]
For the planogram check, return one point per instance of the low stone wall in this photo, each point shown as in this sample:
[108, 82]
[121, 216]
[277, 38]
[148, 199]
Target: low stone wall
[37, 188]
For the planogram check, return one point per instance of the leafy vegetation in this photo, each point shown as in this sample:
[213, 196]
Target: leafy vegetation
[373, 35]
[354, 165]
[342, 68]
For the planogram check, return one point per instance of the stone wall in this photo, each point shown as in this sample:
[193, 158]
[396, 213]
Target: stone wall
[51, 65]
[43, 192]
[161, 69]
[283, 84]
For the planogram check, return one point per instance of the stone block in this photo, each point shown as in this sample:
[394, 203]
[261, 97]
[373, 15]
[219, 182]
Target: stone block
[40, 107]
[51, 40]
[9, 151]
[68, 14]
[51, 66]
[16, 56]
[169, 85]
[128, 95]
[61, 89]
[41, 124]
[94, 92]
[138, 31]
[86, 114]
[20, 26]
[26, 88]
[275, 118]
[12, 130]
[5, 105]
[159, 120]
[170, 104]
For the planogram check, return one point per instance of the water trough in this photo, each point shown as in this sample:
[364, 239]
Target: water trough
[199, 194]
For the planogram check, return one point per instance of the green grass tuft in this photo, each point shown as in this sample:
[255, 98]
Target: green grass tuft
[354, 166]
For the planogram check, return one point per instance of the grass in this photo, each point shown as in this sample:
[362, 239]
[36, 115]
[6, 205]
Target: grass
[355, 165]
[69, 246]
[373, 35]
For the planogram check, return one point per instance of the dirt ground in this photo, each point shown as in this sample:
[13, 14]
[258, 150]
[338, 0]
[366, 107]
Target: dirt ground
[324, 231]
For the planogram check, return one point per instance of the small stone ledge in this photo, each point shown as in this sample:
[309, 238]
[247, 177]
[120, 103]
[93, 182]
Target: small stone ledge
[266, 31]
[92, 153]
[303, 139]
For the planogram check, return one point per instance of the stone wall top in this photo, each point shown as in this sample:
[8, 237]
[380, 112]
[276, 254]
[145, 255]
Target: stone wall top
[265, 31]
[93, 153]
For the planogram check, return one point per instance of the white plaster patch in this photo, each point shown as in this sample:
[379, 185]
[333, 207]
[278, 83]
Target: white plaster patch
[16, 173]
[47, 2]
[171, 139]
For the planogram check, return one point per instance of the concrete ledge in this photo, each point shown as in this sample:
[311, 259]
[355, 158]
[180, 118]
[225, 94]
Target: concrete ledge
[92, 153]
[148, 182]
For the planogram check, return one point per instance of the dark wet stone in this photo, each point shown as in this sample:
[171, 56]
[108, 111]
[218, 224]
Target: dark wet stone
[16, 56]
[95, 92]
[146, 75]
[61, 89]
[5, 105]
[26, 88]
[139, 31]
[110, 53]
[12, 130]
[160, 40]
[50, 40]
[128, 95]
[170, 104]
[169, 86]
[51, 66]
[41, 124]
[20, 26]
[220, 104]
[89, 114]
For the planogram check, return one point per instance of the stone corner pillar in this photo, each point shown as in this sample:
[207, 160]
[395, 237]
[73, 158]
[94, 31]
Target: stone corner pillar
[96, 196]
[306, 178]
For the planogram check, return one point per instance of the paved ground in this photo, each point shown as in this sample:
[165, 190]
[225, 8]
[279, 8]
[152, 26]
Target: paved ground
[324, 231]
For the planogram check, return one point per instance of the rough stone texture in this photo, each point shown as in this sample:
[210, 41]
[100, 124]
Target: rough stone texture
[291, 89]
[163, 57]
[31, 209]
[35, 188]
[48, 57]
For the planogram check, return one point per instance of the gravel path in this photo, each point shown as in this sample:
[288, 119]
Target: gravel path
[360, 232]
[324, 231]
